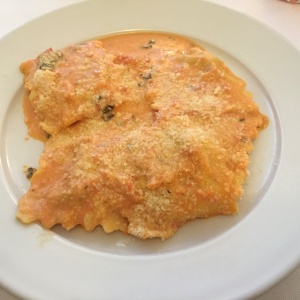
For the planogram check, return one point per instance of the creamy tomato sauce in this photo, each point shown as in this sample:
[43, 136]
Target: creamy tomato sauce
[137, 43]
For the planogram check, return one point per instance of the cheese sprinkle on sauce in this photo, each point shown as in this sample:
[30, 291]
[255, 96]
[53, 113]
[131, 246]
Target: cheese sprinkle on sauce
[143, 131]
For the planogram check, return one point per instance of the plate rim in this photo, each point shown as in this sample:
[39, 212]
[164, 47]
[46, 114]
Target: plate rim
[282, 270]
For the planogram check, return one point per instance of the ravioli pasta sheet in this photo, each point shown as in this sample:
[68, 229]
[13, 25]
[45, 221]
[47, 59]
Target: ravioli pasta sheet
[142, 132]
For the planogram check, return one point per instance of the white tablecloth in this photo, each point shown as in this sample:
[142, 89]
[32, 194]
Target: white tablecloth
[281, 16]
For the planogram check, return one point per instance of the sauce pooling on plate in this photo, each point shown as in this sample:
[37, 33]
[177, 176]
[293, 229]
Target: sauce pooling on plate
[143, 132]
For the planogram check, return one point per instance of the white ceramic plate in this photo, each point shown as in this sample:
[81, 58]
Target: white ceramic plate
[219, 258]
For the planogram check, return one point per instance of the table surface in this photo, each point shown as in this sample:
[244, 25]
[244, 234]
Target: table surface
[277, 14]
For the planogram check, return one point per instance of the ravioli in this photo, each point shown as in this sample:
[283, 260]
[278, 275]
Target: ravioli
[143, 132]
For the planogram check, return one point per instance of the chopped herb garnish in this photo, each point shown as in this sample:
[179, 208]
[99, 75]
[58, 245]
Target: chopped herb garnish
[107, 112]
[29, 172]
[149, 45]
[48, 59]
[108, 108]
[108, 116]
[146, 76]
